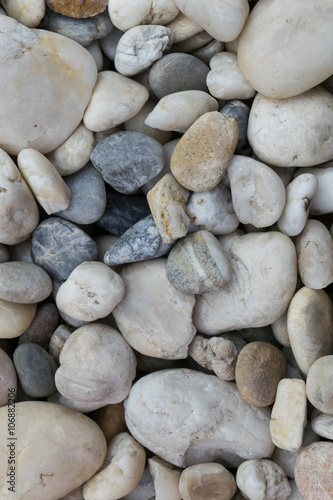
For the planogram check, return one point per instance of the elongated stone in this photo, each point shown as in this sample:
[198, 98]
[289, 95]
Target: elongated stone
[24, 283]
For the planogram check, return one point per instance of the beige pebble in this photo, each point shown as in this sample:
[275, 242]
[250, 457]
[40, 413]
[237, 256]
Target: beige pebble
[8, 379]
[262, 480]
[319, 384]
[210, 480]
[111, 419]
[183, 28]
[27, 12]
[57, 340]
[15, 318]
[136, 124]
[280, 330]
[314, 471]
[165, 478]
[125, 14]
[322, 424]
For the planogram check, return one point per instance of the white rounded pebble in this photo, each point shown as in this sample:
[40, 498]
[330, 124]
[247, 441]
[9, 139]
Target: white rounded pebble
[115, 99]
[210, 480]
[280, 330]
[27, 12]
[15, 319]
[319, 384]
[94, 49]
[262, 480]
[322, 202]
[166, 479]
[137, 124]
[322, 424]
[183, 28]
[126, 14]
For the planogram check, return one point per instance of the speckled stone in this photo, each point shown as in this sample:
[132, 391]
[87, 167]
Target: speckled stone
[314, 471]
[78, 8]
[35, 370]
[42, 326]
[88, 199]
[177, 72]
[240, 112]
[58, 246]
[127, 160]
[24, 283]
[262, 480]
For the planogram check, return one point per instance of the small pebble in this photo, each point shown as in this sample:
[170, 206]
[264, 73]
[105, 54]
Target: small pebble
[314, 470]
[57, 341]
[183, 28]
[27, 12]
[42, 326]
[79, 9]
[280, 330]
[192, 43]
[322, 202]
[262, 480]
[240, 112]
[322, 424]
[137, 124]
[15, 318]
[125, 15]
[8, 377]
[24, 283]
[209, 50]
[319, 385]
[109, 43]
[165, 479]
[210, 480]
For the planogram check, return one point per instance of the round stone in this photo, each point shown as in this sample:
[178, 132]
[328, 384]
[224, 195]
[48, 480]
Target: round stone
[8, 378]
[79, 8]
[24, 283]
[262, 479]
[15, 318]
[319, 384]
[314, 471]
[30, 13]
[322, 424]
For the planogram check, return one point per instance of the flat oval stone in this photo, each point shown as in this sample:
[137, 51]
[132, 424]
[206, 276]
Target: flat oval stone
[35, 370]
[162, 411]
[319, 384]
[304, 123]
[127, 160]
[24, 283]
[322, 424]
[322, 202]
[251, 299]
[78, 9]
[52, 477]
[64, 84]
[240, 112]
[125, 15]
[58, 246]
[313, 471]
[300, 62]
[42, 326]
[7, 377]
[15, 318]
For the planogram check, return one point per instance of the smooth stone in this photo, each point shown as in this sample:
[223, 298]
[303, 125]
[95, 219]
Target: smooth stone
[111, 419]
[18, 209]
[209, 50]
[59, 246]
[142, 241]
[183, 28]
[188, 418]
[310, 326]
[91, 292]
[177, 72]
[225, 80]
[125, 15]
[42, 326]
[314, 470]
[15, 318]
[51, 477]
[168, 149]
[57, 341]
[95, 50]
[114, 100]
[322, 202]
[167, 202]
[24, 283]
[88, 200]
[178, 111]
[322, 424]
[165, 478]
[198, 264]
[35, 370]
[319, 386]
[286, 174]
[8, 379]
[192, 43]
[122, 212]
[210, 480]
[212, 210]
[304, 124]
[299, 195]
[137, 124]
[96, 365]
[62, 76]
[262, 479]
[221, 19]
[144, 490]
[201, 157]
[27, 12]
[303, 59]
[78, 8]
[154, 317]
[79, 406]
[240, 112]
[314, 248]
[74, 153]
[280, 330]
[109, 43]
[127, 160]
[251, 299]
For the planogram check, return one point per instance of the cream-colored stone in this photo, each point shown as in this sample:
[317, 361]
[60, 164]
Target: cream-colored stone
[15, 318]
[8, 380]
[183, 28]
[166, 479]
[193, 43]
[280, 330]
[322, 424]
[262, 480]
[27, 12]
[209, 480]
[322, 202]
[136, 124]
[125, 14]
[319, 384]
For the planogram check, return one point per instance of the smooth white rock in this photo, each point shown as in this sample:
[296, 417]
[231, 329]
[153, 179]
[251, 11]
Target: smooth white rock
[314, 248]
[15, 318]
[258, 193]
[126, 14]
[292, 132]
[94, 49]
[178, 111]
[225, 80]
[299, 195]
[281, 53]
[262, 480]
[165, 478]
[262, 284]
[27, 12]
[183, 28]
[319, 384]
[115, 99]
[322, 202]
[137, 124]
[322, 424]
[222, 19]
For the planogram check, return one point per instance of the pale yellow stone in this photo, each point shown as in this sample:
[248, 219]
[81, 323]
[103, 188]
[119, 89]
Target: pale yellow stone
[183, 28]
[15, 318]
[28, 12]
[166, 479]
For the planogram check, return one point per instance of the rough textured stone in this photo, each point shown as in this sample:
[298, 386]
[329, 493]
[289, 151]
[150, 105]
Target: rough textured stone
[210, 480]
[8, 378]
[15, 318]
[24, 283]
[125, 15]
[319, 385]
[42, 326]
[262, 479]
[78, 9]
[313, 471]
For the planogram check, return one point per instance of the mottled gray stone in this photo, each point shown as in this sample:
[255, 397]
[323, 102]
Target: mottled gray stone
[209, 50]
[177, 72]
[42, 327]
[88, 199]
[35, 370]
[127, 160]
[140, 242]
[24, 283]
[58, 246]
[240, 112]
[58, 339]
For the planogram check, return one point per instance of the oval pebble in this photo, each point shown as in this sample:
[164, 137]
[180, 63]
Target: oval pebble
[209, 480]
[27, 12]
[314, 470]
[125, 15]
[15, 318]
[183, 29]
[24, 283]
[319, 385]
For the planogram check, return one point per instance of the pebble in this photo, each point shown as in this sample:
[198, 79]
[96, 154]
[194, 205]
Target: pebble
[88, 196]
[57, 341]
[96, 365]
[177, 72]
[168, 149]
[203, 154]
[8, 377]
[314, 248]
[302, 123]
[210, 480]
[144, 490]
[319, 384]
[194, 42]
[183, 28]
[299, 64]
[91, 292]
[111, 419]
[262, 479]
[322, 202]
[27, 12]
[78, 8]
[167, 202]
[165, 479]
[127, 160]
[179, 110]
[212, 210]
[187, 418]
[258, 193]
[94, 49]
[140, 47]
[198, 264]
[42, 326]
[53, 477]
[24, 283]
[15, 318]
[313, 471]
[209, 50]
[125, 15]
[310, 326]
[280, 330]
[240, 112]
[35, 370]
[114, 100]
[251, 298]
[59, 246]
[137, 124]
[151, 300]
[109, 43]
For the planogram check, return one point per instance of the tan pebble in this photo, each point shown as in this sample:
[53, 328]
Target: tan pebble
[27, 12]
[314, 471]
[183, 28]
[111, 419]
[193, 43]
[79, 9]
[280, 330]
[15, 318]
[210, 480]
[165, 478]
[319, 384]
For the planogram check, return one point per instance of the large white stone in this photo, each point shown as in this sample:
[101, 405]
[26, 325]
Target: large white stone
[126, 14]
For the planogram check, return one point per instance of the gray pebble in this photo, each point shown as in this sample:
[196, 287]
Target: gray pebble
[42, 327]
[21, 251]
[127, 160]
[88, 199]
[177, 72]
[109, 43]
[59, 246]
[209, 50]
[240, 112]
[35, 370]
[59, 337]
[24, 283]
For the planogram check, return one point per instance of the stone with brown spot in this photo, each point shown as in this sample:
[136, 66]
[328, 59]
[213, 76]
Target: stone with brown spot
[80, 9]
[314, 471]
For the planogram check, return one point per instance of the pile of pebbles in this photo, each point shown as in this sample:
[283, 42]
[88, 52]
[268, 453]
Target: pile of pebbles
[166, 253]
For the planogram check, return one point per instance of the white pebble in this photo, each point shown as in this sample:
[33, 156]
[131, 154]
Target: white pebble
[27, 12]
[262, 480]
[183, 28]
[95, 50]
[166, 479]
[322, 202]
[126, 14]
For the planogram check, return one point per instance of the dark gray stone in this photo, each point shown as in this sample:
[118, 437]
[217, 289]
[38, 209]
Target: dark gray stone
[24, 283]
[140, 242]
[177, 72]
[35, 369]
[59, 246]
[240, 112]
[21, 251]
[88, 199]
[127, 160]
[42, 327]
[209, 50]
